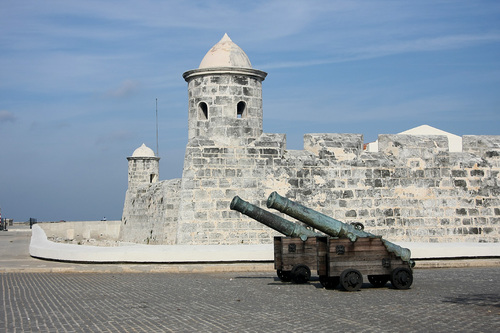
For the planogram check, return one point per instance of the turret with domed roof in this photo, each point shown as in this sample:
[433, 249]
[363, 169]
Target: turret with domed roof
[225, 96]
[143, 167]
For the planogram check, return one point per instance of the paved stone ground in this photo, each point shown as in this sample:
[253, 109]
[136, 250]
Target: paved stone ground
[441, 300]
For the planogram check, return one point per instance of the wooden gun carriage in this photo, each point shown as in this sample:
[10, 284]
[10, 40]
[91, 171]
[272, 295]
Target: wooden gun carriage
[294, 259]
[341, 261]
[342, 257]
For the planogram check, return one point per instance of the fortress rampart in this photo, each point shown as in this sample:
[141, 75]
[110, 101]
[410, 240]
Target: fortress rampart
[413, 189]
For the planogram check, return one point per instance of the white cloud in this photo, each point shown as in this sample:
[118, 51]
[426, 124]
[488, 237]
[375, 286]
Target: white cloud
[7, 116]
[126, 88]
[449, 42]
[416, 45]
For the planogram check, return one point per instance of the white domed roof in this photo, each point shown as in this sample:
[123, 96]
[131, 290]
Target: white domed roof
[143, 151]
[225, 54]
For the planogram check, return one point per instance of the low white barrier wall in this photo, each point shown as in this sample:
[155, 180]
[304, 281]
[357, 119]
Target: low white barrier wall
[41, 247]
[451, 250]
[82, 230]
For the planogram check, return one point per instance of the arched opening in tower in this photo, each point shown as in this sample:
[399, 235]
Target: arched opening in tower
[202, 111]
[153, 178]
[241, 110]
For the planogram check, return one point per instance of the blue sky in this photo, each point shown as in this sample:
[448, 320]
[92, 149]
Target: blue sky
[79, 79]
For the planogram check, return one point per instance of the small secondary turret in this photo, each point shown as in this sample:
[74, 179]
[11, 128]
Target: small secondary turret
[143, 167]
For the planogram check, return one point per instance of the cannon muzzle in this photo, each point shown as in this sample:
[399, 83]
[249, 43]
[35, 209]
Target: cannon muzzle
[273, 221]
[326, 224]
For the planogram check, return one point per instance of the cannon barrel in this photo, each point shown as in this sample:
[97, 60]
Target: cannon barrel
[273, 221]
[326, 224]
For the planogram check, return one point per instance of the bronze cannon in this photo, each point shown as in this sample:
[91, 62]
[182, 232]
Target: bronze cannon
[349, 252]
[295, 255]
[273, 221]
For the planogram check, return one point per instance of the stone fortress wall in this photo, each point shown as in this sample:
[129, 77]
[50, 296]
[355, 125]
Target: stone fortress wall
[412, 189]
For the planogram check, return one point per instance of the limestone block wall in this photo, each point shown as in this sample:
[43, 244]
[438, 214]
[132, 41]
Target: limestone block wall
[225, 107]
[82, 232]
[142, 170]
[213, 175]
[485, 146]
[150, 213]
[414, 189]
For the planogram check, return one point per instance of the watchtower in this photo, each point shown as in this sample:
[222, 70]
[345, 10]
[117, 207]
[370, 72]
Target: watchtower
[143, 167]
[225, 96]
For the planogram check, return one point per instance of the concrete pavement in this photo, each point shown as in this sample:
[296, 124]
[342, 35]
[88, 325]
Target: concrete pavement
[50, 296]
[440, 300]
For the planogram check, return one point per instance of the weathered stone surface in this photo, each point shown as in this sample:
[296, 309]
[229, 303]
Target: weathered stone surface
[404, 199]
[412, 189]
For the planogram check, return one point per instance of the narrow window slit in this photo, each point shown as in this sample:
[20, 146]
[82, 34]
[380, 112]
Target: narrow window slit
[241, 110]
[202, 111]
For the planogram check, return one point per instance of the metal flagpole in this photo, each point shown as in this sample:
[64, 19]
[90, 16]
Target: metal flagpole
[157, 154]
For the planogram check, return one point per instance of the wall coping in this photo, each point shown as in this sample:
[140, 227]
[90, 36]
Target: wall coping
[41, 247]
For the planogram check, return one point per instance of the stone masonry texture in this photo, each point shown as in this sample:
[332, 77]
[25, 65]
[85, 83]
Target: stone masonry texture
[413, 189]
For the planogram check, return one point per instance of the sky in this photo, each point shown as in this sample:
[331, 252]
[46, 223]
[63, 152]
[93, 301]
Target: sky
[79, 81]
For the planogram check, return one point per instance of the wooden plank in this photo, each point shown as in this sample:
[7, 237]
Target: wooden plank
[294, 251]
[359, 240]
[377, 252]
[337, 271]
[364, 257]
[356, 264]
[296, 245]
[303, 256]
[368, 256]
[296, 240]
[310, 261]
[365, 267]
[277, 253]
[355, 247]
[322, 255]
[365, 254]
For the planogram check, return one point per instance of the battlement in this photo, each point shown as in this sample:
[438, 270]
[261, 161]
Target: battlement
[484, 146]
[336, 146]
[430, 148]
[413, 189]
